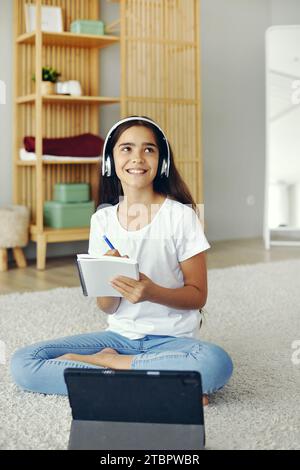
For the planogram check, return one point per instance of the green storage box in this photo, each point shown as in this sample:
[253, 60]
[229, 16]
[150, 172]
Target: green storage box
[88, 27]
[67, 215]
[71, 192]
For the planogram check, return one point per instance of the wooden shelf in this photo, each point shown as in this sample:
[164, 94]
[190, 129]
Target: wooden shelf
[70, 40]
[82, 161]
[54, 235]
[56, 99]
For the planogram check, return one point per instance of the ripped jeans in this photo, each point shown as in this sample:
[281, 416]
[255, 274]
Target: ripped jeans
[35, 368]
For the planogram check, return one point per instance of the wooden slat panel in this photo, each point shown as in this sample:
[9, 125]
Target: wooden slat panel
[162, 75]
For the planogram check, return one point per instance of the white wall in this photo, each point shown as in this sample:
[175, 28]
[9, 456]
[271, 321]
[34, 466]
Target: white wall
[285, 12]
[233, 92]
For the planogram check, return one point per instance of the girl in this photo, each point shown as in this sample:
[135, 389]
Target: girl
[154, 324]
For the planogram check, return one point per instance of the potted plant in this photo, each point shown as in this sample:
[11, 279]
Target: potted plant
[49, 78]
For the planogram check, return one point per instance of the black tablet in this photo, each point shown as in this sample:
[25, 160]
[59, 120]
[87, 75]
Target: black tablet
[135, 409]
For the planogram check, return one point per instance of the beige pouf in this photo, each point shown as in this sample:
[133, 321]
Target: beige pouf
[14, 224]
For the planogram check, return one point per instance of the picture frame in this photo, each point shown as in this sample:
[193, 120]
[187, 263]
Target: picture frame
[51, 19]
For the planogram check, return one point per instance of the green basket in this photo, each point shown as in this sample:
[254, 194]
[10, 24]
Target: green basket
[71, 192]
[68, 215]
[88, 27]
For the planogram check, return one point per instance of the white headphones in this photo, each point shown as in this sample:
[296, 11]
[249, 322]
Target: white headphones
[107, 159]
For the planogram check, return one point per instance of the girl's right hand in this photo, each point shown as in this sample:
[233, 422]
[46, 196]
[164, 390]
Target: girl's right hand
[114, 253]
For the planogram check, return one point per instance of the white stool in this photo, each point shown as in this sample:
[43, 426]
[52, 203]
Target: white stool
[14, 224]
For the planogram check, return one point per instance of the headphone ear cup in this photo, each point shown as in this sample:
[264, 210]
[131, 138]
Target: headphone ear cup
[107, 171]
[164, 167]
[112, 166]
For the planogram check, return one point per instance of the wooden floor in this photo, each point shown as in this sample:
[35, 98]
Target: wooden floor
[62, 272]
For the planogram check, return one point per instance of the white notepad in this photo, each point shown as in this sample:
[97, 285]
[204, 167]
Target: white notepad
[95, 273]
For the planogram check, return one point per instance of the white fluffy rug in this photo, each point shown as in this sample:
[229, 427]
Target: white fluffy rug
[253, 311]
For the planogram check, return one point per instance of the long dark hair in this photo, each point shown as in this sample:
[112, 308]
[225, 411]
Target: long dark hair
[110, 189]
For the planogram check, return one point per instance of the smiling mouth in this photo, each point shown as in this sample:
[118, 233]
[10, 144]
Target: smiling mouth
[136, 172]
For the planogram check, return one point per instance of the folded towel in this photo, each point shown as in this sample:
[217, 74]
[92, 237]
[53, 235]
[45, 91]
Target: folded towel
[84, 145]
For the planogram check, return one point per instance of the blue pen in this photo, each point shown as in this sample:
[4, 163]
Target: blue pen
[108, 242]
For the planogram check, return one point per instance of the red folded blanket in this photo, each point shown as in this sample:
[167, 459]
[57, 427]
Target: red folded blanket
[84, 145]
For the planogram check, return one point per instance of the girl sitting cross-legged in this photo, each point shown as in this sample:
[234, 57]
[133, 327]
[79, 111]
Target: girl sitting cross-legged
[148, 213]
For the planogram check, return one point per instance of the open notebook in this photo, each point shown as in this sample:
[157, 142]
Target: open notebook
[95, 273]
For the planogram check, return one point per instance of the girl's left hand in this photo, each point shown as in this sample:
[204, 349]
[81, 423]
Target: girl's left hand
[132, 290]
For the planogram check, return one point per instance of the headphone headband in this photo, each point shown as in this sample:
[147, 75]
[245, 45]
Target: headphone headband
[106, 163]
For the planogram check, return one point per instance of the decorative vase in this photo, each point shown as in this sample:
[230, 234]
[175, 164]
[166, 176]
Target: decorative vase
[48, 88]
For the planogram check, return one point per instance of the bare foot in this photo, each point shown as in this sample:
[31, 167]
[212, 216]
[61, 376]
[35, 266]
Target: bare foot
[106, 350]
[74, 357]
[205, 400]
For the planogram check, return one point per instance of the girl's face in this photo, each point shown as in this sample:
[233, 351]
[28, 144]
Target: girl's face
[136, 157]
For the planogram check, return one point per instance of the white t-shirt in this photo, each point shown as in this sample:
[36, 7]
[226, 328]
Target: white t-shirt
[174, 235]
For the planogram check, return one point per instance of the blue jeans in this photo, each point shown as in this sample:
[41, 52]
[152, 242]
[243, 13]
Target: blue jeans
[36, 369]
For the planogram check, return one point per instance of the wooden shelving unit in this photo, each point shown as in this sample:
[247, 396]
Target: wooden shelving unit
[76, 56]
[160, 78]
